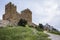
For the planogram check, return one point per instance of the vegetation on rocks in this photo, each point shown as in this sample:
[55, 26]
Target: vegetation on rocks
[55, 32]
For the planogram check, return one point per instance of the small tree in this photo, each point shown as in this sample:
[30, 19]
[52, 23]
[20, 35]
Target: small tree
[41, 26]
[22, 22]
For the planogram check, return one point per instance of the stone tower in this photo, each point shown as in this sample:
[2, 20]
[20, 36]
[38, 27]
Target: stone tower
[10, 9]
[27, 15]
[14, 17]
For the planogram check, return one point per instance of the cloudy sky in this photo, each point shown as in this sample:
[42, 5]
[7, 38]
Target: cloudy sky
[43, 11]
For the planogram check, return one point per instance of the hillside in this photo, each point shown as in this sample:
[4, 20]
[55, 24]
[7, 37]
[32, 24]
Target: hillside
[21, 33]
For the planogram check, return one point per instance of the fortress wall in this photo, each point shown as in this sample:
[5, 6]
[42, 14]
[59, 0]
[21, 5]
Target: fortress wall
[13, 16]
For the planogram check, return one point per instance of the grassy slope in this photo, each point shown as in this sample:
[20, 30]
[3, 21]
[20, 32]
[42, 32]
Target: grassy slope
[21, 33]
[55, 32]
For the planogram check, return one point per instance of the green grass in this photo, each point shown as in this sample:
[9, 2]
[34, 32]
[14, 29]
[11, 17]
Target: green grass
[21, 33]
[55, 32]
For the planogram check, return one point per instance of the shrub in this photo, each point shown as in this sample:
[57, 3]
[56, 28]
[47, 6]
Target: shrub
[40, 26]
[39, 29]
[22, 22]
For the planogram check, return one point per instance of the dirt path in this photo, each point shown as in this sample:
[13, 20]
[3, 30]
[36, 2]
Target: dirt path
[53, 36]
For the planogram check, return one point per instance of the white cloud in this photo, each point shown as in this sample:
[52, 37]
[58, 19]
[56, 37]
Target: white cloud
[46, 12]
